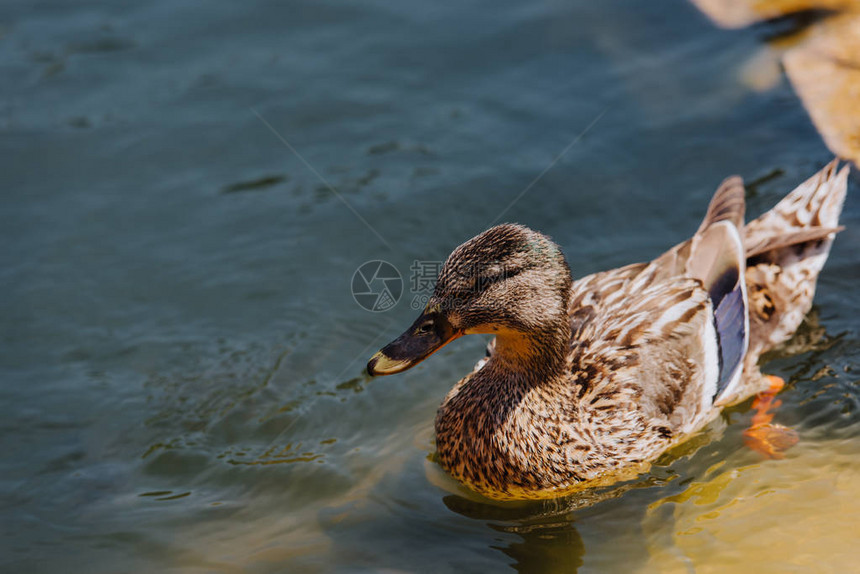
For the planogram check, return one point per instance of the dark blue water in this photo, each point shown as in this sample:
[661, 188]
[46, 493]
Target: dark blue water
[186, 191]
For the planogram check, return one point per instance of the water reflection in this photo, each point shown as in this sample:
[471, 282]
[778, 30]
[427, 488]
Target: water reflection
[542, 535]
[544, 538]
[550, 547]
[551, 509]
[759, 517]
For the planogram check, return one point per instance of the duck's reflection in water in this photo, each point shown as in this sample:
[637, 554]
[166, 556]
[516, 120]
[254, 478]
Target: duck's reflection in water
[552, 547]
[548, 540]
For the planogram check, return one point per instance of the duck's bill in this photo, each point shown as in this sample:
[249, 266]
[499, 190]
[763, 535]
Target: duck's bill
[428, 334]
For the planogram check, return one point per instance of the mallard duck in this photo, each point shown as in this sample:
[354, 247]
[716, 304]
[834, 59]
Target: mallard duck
[588, 381]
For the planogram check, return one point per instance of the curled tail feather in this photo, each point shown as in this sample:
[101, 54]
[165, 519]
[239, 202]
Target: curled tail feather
[727, 204]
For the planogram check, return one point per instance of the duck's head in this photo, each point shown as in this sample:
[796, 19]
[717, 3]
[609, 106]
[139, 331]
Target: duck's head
[509, 281]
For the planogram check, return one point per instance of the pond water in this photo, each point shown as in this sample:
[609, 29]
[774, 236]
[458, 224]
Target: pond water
[181, 359]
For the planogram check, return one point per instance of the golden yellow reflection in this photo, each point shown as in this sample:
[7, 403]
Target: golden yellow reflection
[764, 517]
[825, 72]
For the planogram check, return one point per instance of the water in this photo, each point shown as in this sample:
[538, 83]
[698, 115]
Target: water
[181, 360]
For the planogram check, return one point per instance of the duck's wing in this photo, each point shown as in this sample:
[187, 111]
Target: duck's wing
[672, 332]
[644, 350]
[717, 258]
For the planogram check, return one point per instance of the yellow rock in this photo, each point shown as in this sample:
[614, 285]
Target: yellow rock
[825, 72]
[741, 13]
[823, 62]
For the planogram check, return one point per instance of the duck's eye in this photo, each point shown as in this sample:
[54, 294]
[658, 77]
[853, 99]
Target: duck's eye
[425, 327]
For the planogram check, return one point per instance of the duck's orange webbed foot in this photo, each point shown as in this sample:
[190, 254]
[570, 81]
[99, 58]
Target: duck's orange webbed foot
[771, 440]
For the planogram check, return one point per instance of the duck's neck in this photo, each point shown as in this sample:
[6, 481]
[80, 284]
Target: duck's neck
[536, 358]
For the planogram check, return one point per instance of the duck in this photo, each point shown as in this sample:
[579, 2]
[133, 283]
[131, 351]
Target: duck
[588, 381]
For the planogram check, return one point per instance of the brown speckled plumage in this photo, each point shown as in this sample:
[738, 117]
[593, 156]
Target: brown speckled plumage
[589, 380]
